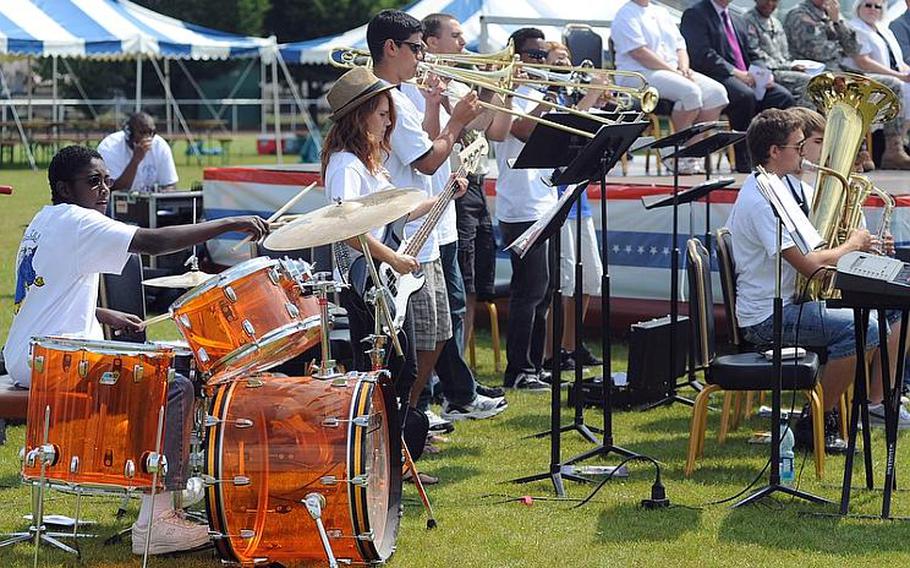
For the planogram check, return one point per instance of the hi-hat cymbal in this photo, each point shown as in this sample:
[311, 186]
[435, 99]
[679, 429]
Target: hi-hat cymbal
[189, 279]
[341, 221]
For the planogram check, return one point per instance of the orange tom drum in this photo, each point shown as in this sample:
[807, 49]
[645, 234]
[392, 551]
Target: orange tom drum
[104, 399]
[249, 318]
[273, 440]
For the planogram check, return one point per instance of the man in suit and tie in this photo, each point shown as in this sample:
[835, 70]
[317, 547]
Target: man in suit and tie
[717, 45]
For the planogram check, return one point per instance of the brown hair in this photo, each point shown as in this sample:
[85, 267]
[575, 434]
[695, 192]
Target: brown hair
[811, 121]
[771, 127]
[349, 134]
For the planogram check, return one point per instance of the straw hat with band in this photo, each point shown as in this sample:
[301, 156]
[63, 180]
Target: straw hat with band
[353, 89]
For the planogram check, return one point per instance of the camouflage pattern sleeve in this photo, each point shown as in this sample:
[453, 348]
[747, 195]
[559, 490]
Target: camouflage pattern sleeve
[754, 45]
[846, 37]
[808, 38]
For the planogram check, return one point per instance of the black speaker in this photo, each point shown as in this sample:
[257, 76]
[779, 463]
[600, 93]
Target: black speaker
[649, 355]
[584, 43]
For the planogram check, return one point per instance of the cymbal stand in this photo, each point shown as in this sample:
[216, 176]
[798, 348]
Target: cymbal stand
[379, 297]
[156, 464]
[321, 285]
[314, 503]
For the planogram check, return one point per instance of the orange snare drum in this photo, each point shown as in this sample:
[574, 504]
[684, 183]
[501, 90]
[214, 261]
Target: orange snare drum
[274, 439]
[249, 318]
[104, 399]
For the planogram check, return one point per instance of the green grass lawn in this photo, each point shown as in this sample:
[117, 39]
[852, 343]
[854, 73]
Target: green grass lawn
[481, 456]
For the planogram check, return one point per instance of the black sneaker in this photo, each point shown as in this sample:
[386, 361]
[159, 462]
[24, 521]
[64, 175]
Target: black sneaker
[491, 392]
[584, 356]
[802, 433]
[567, 361]
[530, 383]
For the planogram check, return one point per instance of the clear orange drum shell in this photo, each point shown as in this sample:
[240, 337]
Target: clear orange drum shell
[102, 425]
[218, 325]
[287, 454]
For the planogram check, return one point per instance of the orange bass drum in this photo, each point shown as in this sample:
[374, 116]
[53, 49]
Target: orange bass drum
[273, 440]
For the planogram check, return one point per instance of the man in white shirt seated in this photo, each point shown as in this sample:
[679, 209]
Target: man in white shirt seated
[137, 158]
[776, 142]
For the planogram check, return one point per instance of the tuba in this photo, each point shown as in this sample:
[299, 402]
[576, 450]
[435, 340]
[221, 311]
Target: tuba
[852, 104]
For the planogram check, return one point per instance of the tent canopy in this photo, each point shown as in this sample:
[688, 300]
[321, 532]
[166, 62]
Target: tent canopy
[468, 12]
[110, 29]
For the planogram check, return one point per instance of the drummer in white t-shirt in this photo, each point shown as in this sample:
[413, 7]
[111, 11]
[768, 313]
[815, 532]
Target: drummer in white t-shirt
[137, 158]
[65, 249]
[396, 46]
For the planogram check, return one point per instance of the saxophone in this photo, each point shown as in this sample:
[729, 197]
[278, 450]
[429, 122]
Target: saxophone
[852, 104]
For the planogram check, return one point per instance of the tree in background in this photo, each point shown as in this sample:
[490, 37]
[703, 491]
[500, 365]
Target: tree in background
[246, 17]
[293, 20]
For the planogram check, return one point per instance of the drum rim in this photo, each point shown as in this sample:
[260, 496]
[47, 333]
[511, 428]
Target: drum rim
[219, 374]
[232, 274]
[213, 496]
[101, 346]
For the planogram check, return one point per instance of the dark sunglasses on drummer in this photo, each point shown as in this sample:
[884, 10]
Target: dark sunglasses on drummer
[95, 180]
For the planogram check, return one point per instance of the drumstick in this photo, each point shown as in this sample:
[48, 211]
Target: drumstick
[281, 211]
[156, 319]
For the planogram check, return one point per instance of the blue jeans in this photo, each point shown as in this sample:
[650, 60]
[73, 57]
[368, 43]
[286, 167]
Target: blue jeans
[178, 421]
[819, 326]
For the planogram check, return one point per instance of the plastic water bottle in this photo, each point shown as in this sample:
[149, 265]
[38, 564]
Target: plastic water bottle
[785, 466]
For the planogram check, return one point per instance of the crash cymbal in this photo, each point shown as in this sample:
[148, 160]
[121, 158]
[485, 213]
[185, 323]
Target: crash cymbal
[189, 279]
[344, 220]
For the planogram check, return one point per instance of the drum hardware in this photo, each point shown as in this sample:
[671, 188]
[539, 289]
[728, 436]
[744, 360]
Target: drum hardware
[359, 480]
[379, 297]
[362, 421]
[320, 286]
[236, 481]
[155, 466]
[211, 421]
[244, 534]
[129, 469]
[314, 503]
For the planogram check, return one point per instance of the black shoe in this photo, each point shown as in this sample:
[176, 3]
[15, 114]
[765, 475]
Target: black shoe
[491, 392]
[802, 433]
[834, 444]
[567, 362]
[587, 359]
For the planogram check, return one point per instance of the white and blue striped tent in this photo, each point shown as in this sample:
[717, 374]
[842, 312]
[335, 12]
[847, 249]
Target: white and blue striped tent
[114, 29]
[470, 13]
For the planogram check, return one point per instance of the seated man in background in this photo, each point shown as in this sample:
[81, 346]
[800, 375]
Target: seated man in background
[137, 158]
[768, 47]
[815, 30]
[900, 27]
[717, 44]
[64, 251]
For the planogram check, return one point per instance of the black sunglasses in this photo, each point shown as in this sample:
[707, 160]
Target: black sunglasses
[95, 180]
[538, 54]
[872, 6]
[416, 48]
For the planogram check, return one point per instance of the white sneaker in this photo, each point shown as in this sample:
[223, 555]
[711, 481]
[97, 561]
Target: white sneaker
[479, 408]
[877, 416]
[438, 423]
[170, 533]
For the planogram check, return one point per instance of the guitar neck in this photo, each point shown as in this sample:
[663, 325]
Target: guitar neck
[423, 233]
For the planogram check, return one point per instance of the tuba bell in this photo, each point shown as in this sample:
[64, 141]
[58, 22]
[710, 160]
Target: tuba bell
[852, 104]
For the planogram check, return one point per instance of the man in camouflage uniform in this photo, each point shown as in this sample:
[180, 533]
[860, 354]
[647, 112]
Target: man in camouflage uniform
[767, 45]
[816, 31]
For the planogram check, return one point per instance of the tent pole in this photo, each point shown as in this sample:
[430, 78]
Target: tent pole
[262, 116]
[138, 106]
[31, 89]
[22, 136]
[276, 107]
[55, 110]
[191, 140]
[311, 124]
[78, 85]
[168, 114]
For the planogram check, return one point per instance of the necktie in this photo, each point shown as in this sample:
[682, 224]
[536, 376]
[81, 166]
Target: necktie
[800, 198]
[738, 60]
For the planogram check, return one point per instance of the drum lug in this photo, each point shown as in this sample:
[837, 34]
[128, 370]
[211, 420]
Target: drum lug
[254, 383]
[38, 364]
[360, 480]
[138, 371]
[369, 536]
[129, 469]
[274, 276]
[340, 382]
[293, 310]
[185, 321]
[45, 453]
[240, 423]
[230, 294]
[74, 465]
[82, 368]
[361, 421]
[249, 329]
[244, 534]
[203, 356]
[156, 463]
[237, 480]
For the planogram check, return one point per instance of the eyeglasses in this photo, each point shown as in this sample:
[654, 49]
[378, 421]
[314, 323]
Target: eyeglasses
[416, 48]
[95, 180]
[798, 146]
[538, 54]
[872, 6]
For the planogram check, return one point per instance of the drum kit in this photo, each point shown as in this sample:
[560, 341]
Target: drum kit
[304, 468]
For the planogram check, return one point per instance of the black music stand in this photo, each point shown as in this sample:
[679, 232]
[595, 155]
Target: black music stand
[594, 158]
[700, 149]
[674, 200]
[807, 239]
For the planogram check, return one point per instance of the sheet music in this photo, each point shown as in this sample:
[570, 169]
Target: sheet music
[523, 243]
[788, 210]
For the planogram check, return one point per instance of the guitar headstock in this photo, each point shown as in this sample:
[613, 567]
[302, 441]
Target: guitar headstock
[471, 155]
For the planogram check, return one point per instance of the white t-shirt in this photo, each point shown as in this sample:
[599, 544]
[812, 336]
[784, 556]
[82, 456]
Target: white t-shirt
[157, 167]
[521, 196]
[871, 44]
[648, 26]
[64, 250]
[447, 228]
[410, 142]
[753, 226]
